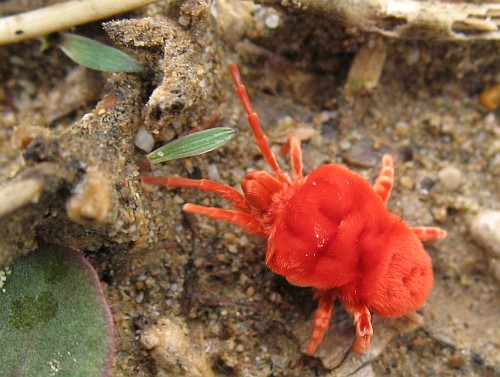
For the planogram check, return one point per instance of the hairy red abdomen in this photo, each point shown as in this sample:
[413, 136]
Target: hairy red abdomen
[395, 281]
[336, 233]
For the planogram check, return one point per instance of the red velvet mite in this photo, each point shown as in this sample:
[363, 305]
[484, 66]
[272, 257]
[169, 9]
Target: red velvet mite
[329, 230]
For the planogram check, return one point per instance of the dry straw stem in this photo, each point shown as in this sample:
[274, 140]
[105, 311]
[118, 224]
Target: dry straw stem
[61, 16]
[15, 195]
[409, 18]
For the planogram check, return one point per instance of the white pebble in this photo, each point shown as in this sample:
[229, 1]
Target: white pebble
[412, 56]
[144, 140]
[272, 21]
[184, 21]
[139, 298]
[213, 172]
[344, 145]
[232, 249]
[450, 177]
[485, 230]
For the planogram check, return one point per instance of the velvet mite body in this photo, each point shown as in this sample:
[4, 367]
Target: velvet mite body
[329, 230]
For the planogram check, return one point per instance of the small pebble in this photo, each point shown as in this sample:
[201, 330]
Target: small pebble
[144, 140]
[412, 56]
[457, 361]
[494, 269]
[213, 172]
[139, 285]
[450, 177]
[150, 282]
[139, 298]
[173, 350]
[464, 281]
[216, 329]
[244, 279]
[490, 97]
[243, 240]
[250, 291]
[125, 324]
[233, 249]
[221, 258]
[490, 120]
[485, 230]
[125, 192]
[178, 200]
[280, 361]
[344, 145]
[272, 21]
[275, 297]
[440, 214]
[362, 154]
[406, 182]
[184, 21]
[8, 119]
[3, 278]
[198, 262]
[402, 128]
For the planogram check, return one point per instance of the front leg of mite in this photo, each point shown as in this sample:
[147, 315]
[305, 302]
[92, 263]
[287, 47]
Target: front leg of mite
[385, 180]
[294, 149]
[364, 329]
[429, 233]
[249, 222]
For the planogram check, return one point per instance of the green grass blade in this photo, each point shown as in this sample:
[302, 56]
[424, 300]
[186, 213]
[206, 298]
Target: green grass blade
[192, 145]
[95, 55]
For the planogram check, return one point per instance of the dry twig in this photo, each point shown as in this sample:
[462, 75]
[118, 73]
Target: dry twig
[61, 16]
[409, 18]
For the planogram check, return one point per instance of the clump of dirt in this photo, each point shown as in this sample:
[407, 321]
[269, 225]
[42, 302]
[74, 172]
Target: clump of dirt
[208, 279]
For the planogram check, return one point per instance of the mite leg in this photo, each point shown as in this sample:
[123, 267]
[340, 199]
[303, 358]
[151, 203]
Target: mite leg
[426, 233]
[322, 318]
[254, 122]
[248, 222]
[206, 185]
[293, 148]
[383, 184]
[364, 330]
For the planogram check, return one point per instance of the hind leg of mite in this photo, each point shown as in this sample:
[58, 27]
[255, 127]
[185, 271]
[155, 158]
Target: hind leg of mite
[364, 329]
[322, 318]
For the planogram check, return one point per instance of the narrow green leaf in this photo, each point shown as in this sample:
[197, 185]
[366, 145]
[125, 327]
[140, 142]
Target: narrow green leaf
[192, 145]
[95, 55]
[54, 320]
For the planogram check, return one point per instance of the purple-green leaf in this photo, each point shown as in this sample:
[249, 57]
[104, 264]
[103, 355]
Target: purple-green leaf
[54, 320]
